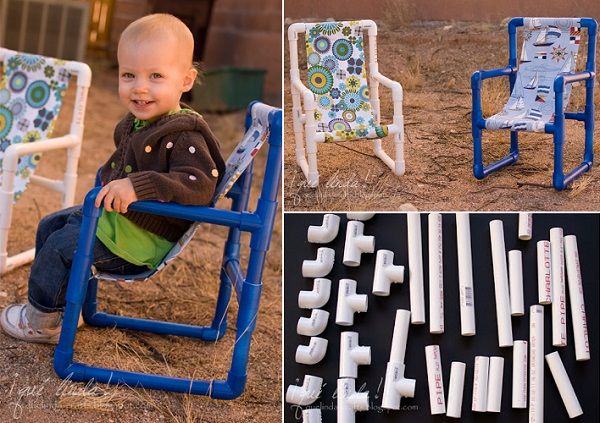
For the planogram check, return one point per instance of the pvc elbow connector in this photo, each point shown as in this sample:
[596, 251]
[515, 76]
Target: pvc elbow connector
[352, 355]
[396, 386]
[349, 401]
[305, 394]
[313, 325]
[359, 216]
[349, 303]
[386, 273]
[311, 415]
[357, 243]
[319, 295]
[321, 266]
[313, 352]
[326, 232]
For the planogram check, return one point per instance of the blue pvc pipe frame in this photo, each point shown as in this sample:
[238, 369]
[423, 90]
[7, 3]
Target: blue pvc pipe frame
[559, 179]
[81, 290]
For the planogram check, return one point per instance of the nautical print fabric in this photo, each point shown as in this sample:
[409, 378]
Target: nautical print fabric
[337, 75]
[31, 94]
[550, 47]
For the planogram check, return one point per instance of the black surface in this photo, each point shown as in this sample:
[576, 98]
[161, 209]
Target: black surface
[376, 325]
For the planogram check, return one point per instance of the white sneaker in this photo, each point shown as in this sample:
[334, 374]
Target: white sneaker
[25, 322]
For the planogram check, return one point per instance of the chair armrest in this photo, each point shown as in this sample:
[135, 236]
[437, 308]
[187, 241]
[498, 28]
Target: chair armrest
[480, 75]
[394, 86]
[14, 151]
[568, 78]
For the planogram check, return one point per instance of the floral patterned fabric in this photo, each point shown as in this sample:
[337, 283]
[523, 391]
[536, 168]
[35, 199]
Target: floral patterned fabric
[337, 75]
[550, 46]
[31, 94]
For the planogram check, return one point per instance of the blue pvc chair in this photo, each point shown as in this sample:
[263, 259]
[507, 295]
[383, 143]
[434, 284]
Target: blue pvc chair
[261, 122]
[549, 52]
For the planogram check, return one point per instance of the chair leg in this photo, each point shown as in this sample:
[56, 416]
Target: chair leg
[313, 174]
[399, 150]
[479, 170]
[559, 180]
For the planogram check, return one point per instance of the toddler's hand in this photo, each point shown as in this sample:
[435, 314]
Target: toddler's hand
[117, 195]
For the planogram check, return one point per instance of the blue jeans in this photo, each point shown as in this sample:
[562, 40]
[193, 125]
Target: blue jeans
[56, 240]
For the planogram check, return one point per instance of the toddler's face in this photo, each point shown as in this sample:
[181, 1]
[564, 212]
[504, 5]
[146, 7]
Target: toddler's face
[152, 76]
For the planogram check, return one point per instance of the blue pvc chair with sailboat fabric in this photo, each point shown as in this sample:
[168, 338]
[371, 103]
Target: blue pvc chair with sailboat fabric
[540, 89]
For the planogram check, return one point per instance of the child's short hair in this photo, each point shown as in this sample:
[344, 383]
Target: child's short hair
[159, 24]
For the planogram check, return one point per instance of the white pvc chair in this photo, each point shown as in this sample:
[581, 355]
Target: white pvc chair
[339, 103]
[30, 100]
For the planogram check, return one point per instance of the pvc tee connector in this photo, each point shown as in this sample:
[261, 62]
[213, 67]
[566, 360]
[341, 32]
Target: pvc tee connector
[326, 232]
[349, 401]
[359, 216]
[386, 273]
[319, 295]
[352, 355]
[313, 352]
[313, 325]
[305, 394]
[356, 243]
[321, 266]
[349, 302]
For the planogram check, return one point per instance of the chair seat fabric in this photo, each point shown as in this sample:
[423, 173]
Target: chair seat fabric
[550, 47]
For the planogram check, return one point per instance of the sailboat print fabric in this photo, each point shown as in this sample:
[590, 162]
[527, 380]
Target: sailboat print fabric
[337, 76]
[550, 46]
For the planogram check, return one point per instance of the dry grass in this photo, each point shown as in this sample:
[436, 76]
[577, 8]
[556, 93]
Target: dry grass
[411, 77]
[494, 93]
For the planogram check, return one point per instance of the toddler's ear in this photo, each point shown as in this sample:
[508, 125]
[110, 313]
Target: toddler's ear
[189, 79]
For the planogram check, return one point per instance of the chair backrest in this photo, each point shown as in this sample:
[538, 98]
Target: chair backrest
[550, 46]
[337, 75]
[31, 95]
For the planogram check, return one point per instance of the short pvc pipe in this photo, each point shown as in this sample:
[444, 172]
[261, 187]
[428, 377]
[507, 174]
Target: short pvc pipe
[318, 296]
[321, 266]
[515, 278]
[564, 385]
[456, 389]
[312, 353]
[356, 243]
[305, 394]
[359, 216]
[578, 316]
[349, 401]
[544, 268]
[349, 302]
[435, 379]
[480, 383]
[525, 226]
[352, 355]
[311, 415]
[313, 325]
[495, 376]
[326, 232]
[519, 375]
[386, 273]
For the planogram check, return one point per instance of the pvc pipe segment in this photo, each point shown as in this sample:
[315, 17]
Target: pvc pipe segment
[435, 379]
[544, 267]
[356, 243]
[359, 216]
[305, 394]
[436, 274]
[349, 401]
[465, 275]
[559, 294]
[525, 226]
[349, 302]
[495, 376]
[578, 316]
[415, 266]
[519, 379]
[480, 383]
[312, 353]
[400, 336]
[563, 383]
[311, 415]
[536, 364]
[515, 278]
[326, 232]
[321, 266]
[386, 273]
[456, 388]
[505, 337]
[319, 295]
[313, 325]
[352, 355]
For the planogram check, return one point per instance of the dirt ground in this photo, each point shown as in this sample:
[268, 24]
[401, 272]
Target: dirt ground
[185, 292]
[433, 62]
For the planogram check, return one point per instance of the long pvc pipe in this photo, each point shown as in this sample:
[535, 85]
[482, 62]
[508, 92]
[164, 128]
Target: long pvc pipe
[495, 376]
[578, 316]
[559, 294]
[544, 266]
[415, 267]
[525, 226]
[536, 364]
[519, 379]
[436, 274]
[435, 379]
[455, 389]
[563, 383]
[465, 275]
[505, 337]
[480, 383]
[515, 278]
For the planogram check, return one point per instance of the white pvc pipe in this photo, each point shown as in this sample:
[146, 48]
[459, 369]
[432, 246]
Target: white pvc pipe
[525, 226]
[349, 302]
[349, 401]
[312, 353]
[435, 379]
[559, 294]
[415, 267]
[400, 336]
[311, 415]
[436, 274]
[321, 266]
[455, 389]
[563, 383]
[515, 277]
[480, 383]
[386, 273]
[326, 232]
[305, 394]
[359, 216]
[495, 376]
[536, 364]
[352, 354]
[544, 266]
[519, 380]
[319, 295]
[356, 243]
[505, 337]
[578, 316]
[313, 325]
[465, 275]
